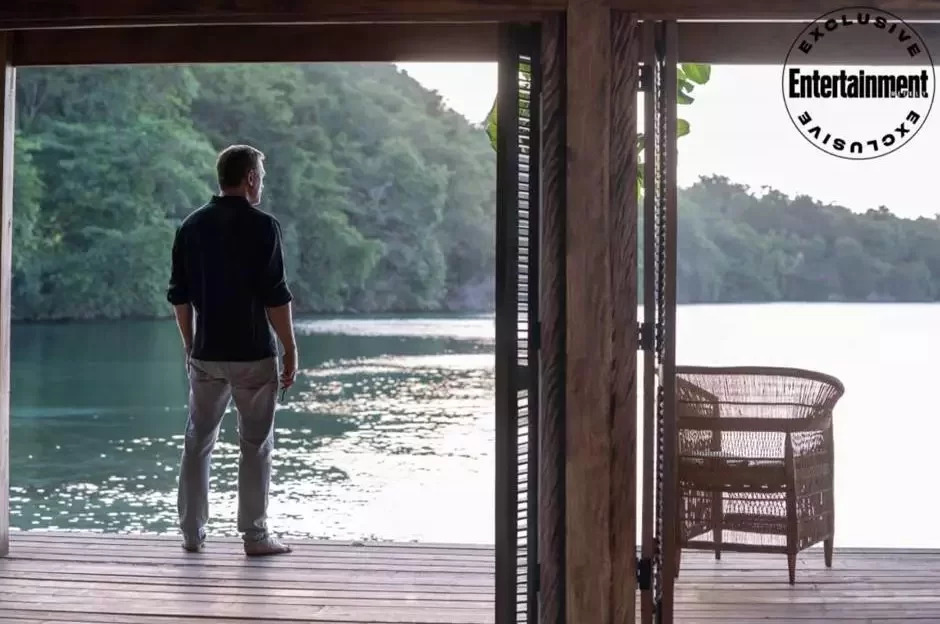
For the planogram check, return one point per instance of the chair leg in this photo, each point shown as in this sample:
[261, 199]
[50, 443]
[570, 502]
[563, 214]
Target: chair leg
[792, 519]
[678, 560]
[828, 544]
[717, 520]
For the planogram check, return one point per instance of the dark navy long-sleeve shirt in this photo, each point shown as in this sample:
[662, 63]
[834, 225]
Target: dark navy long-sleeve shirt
[227, 262]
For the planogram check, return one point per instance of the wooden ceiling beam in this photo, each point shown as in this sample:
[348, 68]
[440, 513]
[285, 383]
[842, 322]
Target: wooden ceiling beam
[472, 42]
[767, 43]
[20, 14]
[26, 14]
[909, 10]
[741, 43]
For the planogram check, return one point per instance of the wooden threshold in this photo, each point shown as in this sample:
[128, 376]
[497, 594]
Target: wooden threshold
[84, 577]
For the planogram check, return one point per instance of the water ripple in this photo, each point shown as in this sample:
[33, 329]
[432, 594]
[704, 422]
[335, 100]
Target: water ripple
[383, 443]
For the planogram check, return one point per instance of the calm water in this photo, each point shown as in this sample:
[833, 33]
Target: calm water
[389, 430]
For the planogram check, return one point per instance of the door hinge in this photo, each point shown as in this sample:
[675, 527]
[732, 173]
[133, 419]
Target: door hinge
[644, 573]
[644, 336]
[645, 79]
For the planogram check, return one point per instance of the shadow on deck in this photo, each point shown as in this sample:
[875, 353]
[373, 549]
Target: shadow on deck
[90, 577]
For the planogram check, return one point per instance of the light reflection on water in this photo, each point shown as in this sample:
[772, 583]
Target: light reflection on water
[390, 430]
[480, 328]
[387, 433]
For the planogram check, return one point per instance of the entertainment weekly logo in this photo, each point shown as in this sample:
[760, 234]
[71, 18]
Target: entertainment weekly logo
[852, 109]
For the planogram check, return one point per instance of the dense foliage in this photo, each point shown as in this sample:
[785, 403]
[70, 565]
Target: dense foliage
[385, 196]
[736, 245]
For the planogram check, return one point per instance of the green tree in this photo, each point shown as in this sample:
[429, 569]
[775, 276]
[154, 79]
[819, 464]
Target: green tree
[113, 162]
[385, 196]
[774, 247]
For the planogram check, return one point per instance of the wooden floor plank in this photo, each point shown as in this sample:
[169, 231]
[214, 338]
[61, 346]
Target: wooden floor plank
[270, 587]
[301, 596]
[300, 550]
[15, 587]
[80, 578]
[96, 536]
[228, 574]
[16, 616]
[177, 557]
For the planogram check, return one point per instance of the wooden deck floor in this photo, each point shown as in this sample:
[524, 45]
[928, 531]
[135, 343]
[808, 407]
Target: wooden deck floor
[862, 586]
[84, 577]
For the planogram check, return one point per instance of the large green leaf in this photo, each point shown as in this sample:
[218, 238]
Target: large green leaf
[688, 75]
[490, 125]
[698, 73]
[685, 87]
[682, 128]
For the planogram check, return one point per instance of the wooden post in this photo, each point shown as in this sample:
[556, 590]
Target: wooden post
[7, 129]
[622, 216]
[670, 431]
[602, 57]
[552, 311]
[649, 314]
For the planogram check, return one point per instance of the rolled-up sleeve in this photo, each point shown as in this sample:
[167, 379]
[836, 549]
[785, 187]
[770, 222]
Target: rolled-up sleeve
[178, 291]
[274, 290]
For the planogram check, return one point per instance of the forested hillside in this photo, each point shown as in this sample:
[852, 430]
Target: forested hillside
[386, 198]
[735, 246]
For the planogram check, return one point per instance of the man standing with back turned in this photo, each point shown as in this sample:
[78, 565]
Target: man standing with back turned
[228, 269]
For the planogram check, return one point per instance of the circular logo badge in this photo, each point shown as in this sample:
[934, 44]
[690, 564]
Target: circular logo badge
[858, 83]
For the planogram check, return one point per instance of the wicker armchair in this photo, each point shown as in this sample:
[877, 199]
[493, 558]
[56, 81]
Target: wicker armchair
[755, 460]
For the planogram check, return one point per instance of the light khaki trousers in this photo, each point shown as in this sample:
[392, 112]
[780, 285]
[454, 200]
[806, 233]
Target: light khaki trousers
[253, 386]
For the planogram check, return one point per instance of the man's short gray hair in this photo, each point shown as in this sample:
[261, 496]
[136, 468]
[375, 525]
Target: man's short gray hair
[234, 164]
